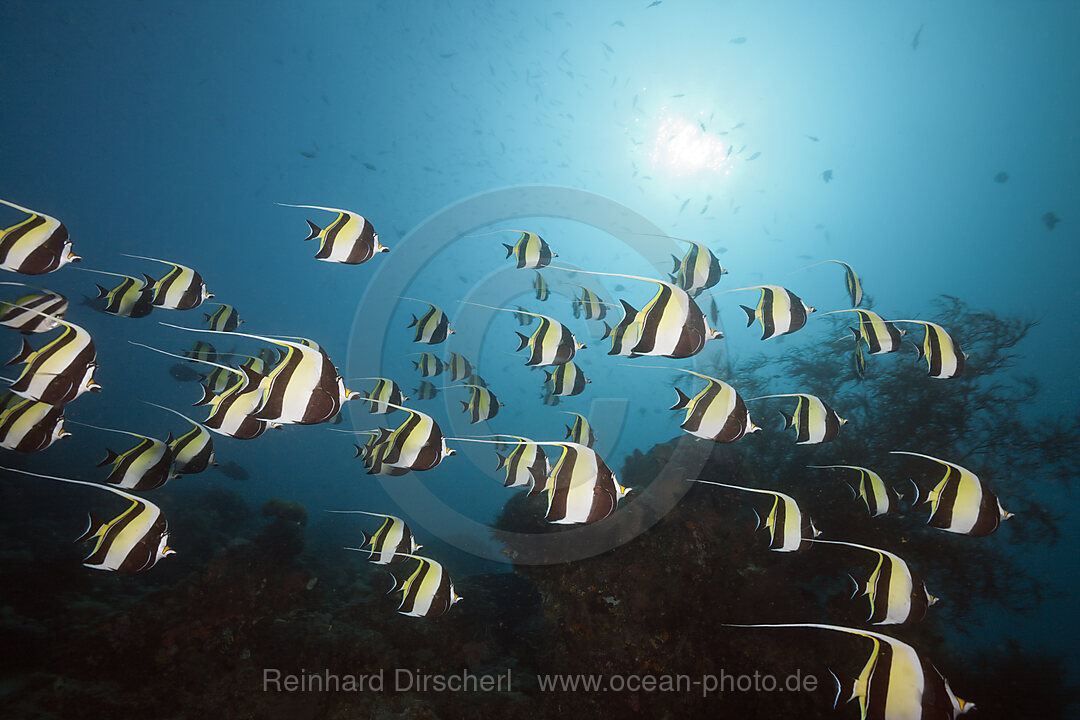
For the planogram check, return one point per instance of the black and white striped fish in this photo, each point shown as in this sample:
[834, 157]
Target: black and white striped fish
[880, 335]
[717, 413]
[193, 451]
[482, 404]
[779, 311]
[60, 371]
[433, 327]
[944, 357]
[425, 391]
[182, 288]
[33, 313]
[428, 591]
[530, 251]
[225, 318]
[896, 594]
[132, 298]
[459, 367]
[895, 682]
[960, 502]
[581, 487]
[589, 304]
[391, 543]
[872, 490]
[813, 420]
[566, 380]
[350, 239]
[145, 466]
[28, 425]
[784, 520]
[385, 391]
[851, 281]
[39, 244]
[580, 431]
[133, 541]
[417, 444]
[697, 270]
[429, 365]
[526, 466]
[541, 287]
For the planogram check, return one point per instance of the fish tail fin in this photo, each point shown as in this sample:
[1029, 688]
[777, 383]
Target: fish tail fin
[749, 315]
[359, 451]
[547, 375]
[110, 458]
[675, 269]
[413, 323]
[23, 355]
[918, 350]
[855, 334]
[416, 365]
[101, 292]
[757, 517]
[847, 687]
[509, 249]
[569, 431]
[147, 280]
[396, 586]
[524, 342]
[502, 461]
[315, 231]
[856, 584]
[789, 420]
[93, 528]
[682, 402]
[208, 395]
[607, 331]
[464, 405]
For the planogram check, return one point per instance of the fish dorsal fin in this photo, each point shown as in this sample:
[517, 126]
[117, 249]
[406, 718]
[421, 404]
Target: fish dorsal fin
[24, 354]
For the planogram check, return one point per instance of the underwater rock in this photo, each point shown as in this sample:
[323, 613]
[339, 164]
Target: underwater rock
[283, 538]
[286, 510]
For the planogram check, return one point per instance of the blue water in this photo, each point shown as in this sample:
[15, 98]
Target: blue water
[172, 129]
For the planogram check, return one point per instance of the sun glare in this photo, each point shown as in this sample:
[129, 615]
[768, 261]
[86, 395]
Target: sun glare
[683, 146]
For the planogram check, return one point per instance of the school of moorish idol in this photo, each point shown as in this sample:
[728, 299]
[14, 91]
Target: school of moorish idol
[292, 380]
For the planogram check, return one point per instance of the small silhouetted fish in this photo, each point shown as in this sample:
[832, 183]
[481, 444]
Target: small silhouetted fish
[755, 156]
[307, 154]
[447, 56]
[739, 125]
[607, 47]
[619, 23]
[654, 3]
[1050, 220]
[685, 203]
[737, 41]
[702, 125]
[827, 175]
[812, 138]
[369, 166]
[183, 373]
[234, 471]
[719, 250]
[704, 210]
[679, 95]
[915, 40]
[620, 287]
[1001, 177]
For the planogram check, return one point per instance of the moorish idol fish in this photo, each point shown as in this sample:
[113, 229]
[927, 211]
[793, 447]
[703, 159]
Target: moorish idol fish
[390, 543]
[944, 358]
[960, 502]
[350, 239]
[526, 465]
[205, 352]
[895, 683]
[385, 390]
[218, 379]
[567, 379]
[589, 304]
[779, 311]
[433, 327]
[231, 409]
[580, 431]
[784, 521]
[549, 397]
[133, 541]
[60, 371]
[697, 270]
[896, 594]
[717, 413]
[523, 317]
[530, 251]
[880, 335]
[417, 444]
[146, 466]
[581, 487]
[859, 361]
[39, 244]
[425, 391]
[482, 404]
[813, 420]
[541, 287]
[428, 364]
[193, 451]
[225, 318]
[181, 289]
[551, 343]
[851, 280]
[304, 388]
[671, 324]
[872, 490]
[28, 425]
[428, 591]
[33, 313]
[475, 379]
[132, 298]
[459, 367]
